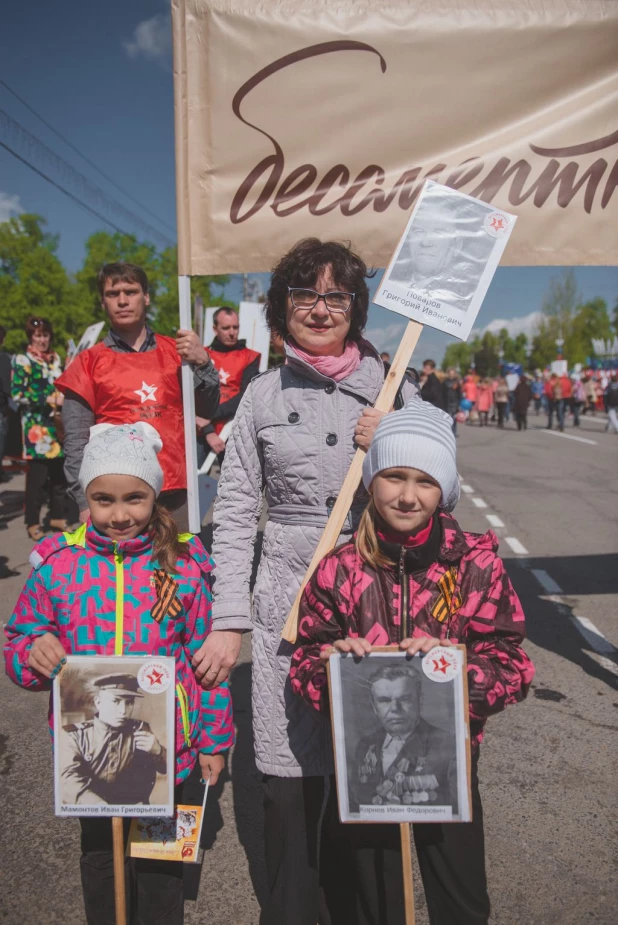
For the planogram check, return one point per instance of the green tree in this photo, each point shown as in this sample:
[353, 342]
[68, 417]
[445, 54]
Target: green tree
[33, 281]
[459, 355]
[166, 308]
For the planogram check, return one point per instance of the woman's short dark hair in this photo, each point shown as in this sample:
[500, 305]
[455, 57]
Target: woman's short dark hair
[35, 323]
[301, 267]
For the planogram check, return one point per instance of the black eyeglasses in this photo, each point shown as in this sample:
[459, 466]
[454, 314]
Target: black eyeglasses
[336, 302]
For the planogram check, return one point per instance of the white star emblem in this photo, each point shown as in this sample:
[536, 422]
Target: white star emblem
[223, 376]
[147, 392]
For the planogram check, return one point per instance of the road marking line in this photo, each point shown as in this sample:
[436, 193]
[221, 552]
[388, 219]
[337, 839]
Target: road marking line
[546, 581]
[606, 663]
[591, 633]
[466, 489]
[478, 502]
[516, 546]
[595, 637]
[494, 520]
[557, 433]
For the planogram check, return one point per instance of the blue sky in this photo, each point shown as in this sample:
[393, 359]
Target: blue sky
[101, 75]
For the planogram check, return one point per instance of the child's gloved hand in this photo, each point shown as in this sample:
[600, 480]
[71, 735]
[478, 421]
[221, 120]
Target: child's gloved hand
[422, 644]
[47, 655]
[354, 644]
[211, 767]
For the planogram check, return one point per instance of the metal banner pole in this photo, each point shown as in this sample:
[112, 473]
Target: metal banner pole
[188, 408]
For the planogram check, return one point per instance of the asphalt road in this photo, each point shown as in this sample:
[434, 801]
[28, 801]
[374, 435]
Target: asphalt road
[547, 767]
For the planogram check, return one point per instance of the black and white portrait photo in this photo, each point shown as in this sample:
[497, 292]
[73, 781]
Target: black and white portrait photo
[445, 259]
[400, 740]
[114, 736]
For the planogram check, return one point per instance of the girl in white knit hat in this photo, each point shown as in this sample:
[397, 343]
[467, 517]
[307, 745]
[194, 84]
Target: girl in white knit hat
[412, 578]
[125, 583]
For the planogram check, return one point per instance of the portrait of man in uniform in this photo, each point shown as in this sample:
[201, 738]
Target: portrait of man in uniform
[396, 740]
[406, 760]
[111, 754]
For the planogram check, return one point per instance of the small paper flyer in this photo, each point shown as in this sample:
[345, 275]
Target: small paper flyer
[445, 260]
[176, 839]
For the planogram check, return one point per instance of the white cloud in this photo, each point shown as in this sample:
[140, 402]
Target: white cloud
[152, 39]
[9, 205]
[525, 324]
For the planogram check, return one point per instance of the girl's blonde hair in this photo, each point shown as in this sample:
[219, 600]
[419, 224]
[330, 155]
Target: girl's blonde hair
[167, 548]
[367, 544]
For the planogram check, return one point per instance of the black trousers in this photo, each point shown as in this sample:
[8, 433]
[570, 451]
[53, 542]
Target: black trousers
[522, 421]
[154, 889]
[45, 481]
[501, 406]
[360, 880]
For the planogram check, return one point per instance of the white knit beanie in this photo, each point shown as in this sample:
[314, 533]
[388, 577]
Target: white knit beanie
[419, 436]
[123, 449]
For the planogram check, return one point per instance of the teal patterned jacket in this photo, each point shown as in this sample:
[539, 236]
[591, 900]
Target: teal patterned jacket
[96, 596]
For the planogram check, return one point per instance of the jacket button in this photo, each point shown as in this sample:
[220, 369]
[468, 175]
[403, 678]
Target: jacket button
[331, 439]
[294, 417]
[330, 501]
[329, 389]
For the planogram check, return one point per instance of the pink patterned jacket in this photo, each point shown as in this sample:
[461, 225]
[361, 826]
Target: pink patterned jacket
[96, 596]
[454, 586]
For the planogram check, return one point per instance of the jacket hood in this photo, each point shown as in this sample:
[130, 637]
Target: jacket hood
[457, 543]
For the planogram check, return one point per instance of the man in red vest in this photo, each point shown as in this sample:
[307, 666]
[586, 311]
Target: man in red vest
[134, 375]
[237, 365]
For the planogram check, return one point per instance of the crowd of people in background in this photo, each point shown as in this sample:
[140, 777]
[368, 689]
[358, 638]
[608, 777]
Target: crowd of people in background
[484, 400]
[57, 408]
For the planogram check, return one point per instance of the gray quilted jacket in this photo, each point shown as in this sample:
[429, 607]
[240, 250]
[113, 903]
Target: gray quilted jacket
[292, 442]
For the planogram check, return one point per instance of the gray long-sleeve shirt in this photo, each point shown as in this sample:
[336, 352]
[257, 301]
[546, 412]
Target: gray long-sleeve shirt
[78, 417]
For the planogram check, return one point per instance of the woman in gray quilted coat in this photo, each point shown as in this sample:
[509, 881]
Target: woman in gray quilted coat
[294, 437]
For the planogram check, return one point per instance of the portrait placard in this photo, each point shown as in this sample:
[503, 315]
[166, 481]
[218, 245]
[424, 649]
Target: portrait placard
[445, 260]
[114, 742]
[400, 730]
[87, 340]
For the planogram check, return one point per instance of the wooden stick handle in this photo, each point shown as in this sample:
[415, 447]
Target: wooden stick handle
[351, 482]
[406, 863]
[119, 889]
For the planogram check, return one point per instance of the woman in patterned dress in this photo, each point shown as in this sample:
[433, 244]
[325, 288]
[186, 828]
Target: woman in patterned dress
[33, 387]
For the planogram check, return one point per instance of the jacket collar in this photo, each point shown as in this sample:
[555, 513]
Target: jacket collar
[365, 381]
[218, 347]
[447, 543]
[107, 547]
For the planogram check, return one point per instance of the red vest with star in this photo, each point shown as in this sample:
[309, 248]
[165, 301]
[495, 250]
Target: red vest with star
[230, 366]
[123, 388]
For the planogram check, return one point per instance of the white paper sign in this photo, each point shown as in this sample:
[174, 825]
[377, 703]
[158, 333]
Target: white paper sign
[445, 260]
[87, 340]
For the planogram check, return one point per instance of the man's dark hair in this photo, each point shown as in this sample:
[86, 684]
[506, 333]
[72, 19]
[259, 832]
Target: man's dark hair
[121, 273]
[394, 672]
[431, 363]
[224, 310]
[301, 267]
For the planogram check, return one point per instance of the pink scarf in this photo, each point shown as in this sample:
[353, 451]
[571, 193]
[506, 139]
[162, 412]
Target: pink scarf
[336, 368]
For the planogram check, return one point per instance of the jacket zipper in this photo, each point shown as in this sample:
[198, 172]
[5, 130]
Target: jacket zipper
[403, 585]
[119, 600]
[183, 701]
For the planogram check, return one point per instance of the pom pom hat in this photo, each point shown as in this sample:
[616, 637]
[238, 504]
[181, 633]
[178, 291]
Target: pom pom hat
[420, 436]
[123, 449]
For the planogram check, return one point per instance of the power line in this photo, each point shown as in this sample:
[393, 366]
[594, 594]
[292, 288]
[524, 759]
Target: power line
[70, 144]
[61, 188]
[86, 189]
